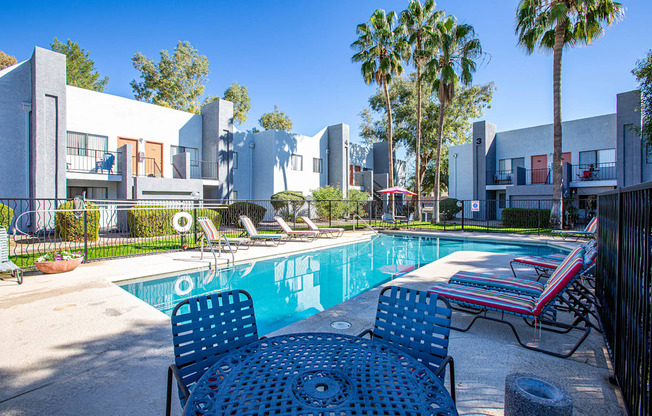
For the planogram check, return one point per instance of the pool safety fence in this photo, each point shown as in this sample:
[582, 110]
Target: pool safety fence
[103, 229]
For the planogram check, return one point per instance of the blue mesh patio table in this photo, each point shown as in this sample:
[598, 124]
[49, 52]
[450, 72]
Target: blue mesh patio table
[319, 374]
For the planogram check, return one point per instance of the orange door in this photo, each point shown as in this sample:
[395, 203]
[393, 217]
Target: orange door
[539, 166]
[565, 157]
[154, 161]
[351, 175]
[134, 153]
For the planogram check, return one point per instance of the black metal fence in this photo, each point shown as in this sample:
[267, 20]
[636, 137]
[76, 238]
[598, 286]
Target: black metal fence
[624, 288]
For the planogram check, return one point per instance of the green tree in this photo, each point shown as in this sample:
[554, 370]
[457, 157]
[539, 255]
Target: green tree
[239, 96]
[419, 22]
[6, 60]
[382, 47]
[643, 74]
[80, 68]
[456, 48]
[552, 25]
[176, 81]
[275, 120]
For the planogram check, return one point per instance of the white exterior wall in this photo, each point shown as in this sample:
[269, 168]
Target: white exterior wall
[460, 172]
[109, 115]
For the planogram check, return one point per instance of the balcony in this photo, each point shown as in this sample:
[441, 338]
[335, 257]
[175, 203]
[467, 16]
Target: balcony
[594, 172]
[146, 166]
[203, 169]
[500, 177]
[538, 176]
[92, 161]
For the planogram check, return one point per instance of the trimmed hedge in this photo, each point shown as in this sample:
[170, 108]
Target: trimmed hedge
[255, 212]
[156, 220]
[284, 208]
[525, 217]
[70, 228]
[6, 215]
[448, 209]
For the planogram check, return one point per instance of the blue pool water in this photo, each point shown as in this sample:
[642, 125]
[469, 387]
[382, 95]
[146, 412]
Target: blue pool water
[288, 289]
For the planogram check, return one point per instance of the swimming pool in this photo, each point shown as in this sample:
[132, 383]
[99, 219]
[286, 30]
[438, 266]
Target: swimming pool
[288, 289]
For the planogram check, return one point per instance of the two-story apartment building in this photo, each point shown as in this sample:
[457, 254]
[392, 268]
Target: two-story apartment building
[59, 141]
[599, 153]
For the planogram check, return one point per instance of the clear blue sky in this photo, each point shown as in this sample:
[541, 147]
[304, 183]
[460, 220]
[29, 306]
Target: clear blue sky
[297, 53]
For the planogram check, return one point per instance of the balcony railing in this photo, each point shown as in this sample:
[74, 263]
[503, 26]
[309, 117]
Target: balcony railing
[203, 169]
[146, 166]
[538, 176]
[594, 172]
[500, 177]
[83, 160]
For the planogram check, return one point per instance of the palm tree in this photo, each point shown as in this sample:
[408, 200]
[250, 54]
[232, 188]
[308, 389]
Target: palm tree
[456, 48]
[419, 23]
[553, 24]
[382, 47]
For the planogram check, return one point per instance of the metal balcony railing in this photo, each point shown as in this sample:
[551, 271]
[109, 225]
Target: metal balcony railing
[538, 176]
[500, 177]
[594, 172]
[203, 169]
[83, 160]
[146, 166]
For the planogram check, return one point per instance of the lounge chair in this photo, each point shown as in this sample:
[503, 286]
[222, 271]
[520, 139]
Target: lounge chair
[589, 232]
[544, 265]
[416, 322]
[301, 234]
[7, 265]
[254, 235]
[105, 164]
[203, 329]
[326, 232]
[212, 236]
[540, 309]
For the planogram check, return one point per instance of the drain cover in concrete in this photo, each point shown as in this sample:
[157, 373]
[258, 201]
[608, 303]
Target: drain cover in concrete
[341, 325]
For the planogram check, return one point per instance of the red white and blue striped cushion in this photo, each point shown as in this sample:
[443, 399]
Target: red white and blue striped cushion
[510, 284]
[592, 226]
[210, 232]
[561, 277]
[539, 261]
[249, 226]
[501, 301]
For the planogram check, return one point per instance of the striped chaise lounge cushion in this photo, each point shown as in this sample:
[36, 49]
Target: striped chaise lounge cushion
[491, 299]
[562, 276]
[538, 261]
[509, 284]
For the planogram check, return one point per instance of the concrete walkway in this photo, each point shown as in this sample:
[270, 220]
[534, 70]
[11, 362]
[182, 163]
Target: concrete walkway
[79, 344]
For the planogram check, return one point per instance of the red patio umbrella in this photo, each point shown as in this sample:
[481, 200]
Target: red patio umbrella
[396, 190]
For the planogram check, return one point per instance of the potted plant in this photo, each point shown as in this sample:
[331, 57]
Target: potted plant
[59, 261]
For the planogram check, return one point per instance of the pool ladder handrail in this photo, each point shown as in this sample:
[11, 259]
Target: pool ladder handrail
[228, 244]
[365, 223]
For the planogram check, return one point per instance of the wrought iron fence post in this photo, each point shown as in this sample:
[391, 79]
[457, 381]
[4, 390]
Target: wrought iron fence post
[357, 213]
[539, 218]
[85, 235]
[194, 214]
[463, 214]
[330, 213]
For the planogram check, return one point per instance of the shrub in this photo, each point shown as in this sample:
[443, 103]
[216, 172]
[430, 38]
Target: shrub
[255, 212]
[525, 217]
[70, 228]
[357, 201]
[328, 202]
[6, 215]
[448, 209]
[156, 220]
[284, 208]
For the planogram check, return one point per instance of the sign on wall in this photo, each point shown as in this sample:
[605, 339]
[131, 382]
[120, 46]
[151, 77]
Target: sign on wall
[475, 206]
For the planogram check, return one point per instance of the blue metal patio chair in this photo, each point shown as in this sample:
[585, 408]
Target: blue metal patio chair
[204, 328]
[106, 163]
[415, 322]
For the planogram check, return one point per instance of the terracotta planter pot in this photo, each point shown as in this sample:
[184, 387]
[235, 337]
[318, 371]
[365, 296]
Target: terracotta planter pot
[58, 266]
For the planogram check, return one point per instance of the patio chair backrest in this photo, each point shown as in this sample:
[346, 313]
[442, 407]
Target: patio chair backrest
[205, 327]
[387, 217]
[207, 226]
[415, 322]
[249, 226]
[592, 226]
[310, 224]
[284, 225]
[4, 248]
[564, 274]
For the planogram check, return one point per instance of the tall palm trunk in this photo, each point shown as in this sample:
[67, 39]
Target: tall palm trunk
[555, 213]
[417, 169]
[440, 130]
[390, 145]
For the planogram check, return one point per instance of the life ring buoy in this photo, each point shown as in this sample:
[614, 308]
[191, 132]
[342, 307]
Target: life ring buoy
[177, 285]
[176, 222]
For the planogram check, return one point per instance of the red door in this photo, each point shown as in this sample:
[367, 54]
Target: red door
[539, 166]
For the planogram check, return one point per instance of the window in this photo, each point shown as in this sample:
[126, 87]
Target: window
[607, 156]
[296, 162]
[505, 165]
[648, 154]
[235, 160]
[502, 200]
[317, 165]
[595, 157]
[83, 144]
[234, 195]
[588, 158]
[194, 153]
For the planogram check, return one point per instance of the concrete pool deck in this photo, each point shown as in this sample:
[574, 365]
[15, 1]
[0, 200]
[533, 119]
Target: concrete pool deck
[79, 344]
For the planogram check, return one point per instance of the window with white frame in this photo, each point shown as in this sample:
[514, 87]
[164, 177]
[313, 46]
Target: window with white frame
[234, 195]
[194, 153]
[505, 165]
[84, 144]
[235, 160]
[317, 165]
[296, 162]
[596, 157]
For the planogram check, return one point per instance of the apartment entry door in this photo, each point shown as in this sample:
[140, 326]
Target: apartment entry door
[539, 169]
[134, 153]
[154, 159]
